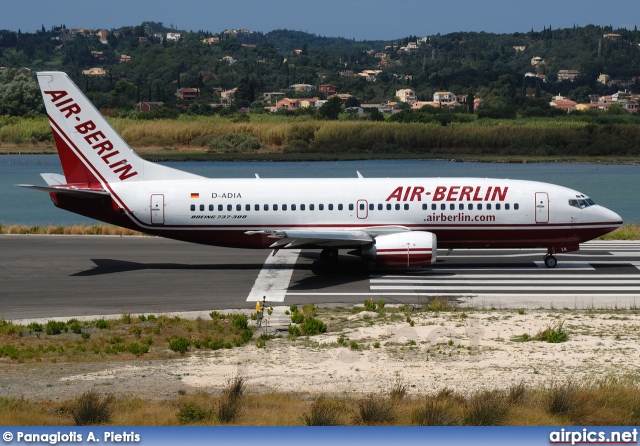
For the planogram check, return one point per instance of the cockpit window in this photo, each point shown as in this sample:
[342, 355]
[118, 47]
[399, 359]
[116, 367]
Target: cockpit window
[581, 203]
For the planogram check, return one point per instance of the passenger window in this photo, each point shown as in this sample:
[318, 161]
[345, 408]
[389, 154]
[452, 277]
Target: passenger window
[247, 207]
[331, 207]
[229, 207]
[434, 206]
[311, 207]
[284, 207]
[479, 206]
[211, 207]
[275, 207]
[340, 207]
[488, 206]
[220, 208]
[371, 206]
[452, 207]
[257, 207]
[388, 206]
[443, 206]
[238, 207]
[425, 206]
[293, 207]
[302, 206]
[202, 207]
[266, 207]
[507, 206]
[193, 207]
[516, 206]
[380, 207]
[351, 207]
[321, 207]
[362, 206]
[497, 206]
[470, 206]
[397, 206]
[461, 206]
[406, 206]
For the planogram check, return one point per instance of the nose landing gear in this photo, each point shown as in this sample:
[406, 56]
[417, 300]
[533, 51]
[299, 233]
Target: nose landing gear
[550, 261]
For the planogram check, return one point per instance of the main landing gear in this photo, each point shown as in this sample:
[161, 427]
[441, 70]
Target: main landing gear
[550, 261]
[329, 259]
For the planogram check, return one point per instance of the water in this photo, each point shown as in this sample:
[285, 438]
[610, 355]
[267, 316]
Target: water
[614, 186]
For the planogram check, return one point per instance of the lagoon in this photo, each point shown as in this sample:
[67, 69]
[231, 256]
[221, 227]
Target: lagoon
[611, 185]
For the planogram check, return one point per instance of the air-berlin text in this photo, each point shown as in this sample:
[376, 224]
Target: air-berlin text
[95, 138]
[449, 193]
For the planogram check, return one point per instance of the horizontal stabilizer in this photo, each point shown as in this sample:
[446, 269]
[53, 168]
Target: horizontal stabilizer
[53, 179]
[70, 190]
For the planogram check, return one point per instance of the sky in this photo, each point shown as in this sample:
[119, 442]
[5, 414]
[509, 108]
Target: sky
[353, 19]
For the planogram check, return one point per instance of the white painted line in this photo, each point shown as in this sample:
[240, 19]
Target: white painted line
[546, 281]
[431, 277]
[275, 275]
[473, 288]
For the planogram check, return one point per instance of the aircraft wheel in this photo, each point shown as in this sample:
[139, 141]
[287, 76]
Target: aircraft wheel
[329, 259]
[550, 261]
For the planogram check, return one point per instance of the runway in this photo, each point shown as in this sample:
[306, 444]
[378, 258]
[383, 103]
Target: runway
[68, 276]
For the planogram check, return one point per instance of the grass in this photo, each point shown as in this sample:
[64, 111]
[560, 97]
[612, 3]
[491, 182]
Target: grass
[601, 403]
[243, 401]
[141, 337]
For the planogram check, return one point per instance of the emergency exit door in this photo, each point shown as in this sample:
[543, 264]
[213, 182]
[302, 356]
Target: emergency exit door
[157, 209]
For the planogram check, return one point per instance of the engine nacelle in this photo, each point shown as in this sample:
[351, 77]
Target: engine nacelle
[403, 249]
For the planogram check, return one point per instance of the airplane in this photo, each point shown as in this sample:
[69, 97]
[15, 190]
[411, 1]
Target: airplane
[392, 222]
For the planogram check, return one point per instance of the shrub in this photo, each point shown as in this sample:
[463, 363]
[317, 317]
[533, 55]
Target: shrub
[374, 410]
[297, 317]
[235, 142]
[324, 412]
[313, 326]
[75, 327]
[178, 344]
[230, 404]
[553, 334]
[189, 413]
[240, 321]
[34, 326]
[369, 305]
[90, 408]
[485, 409]
[102, 324]
[562, 399]
[435, 412]
[54, 327]
[294, 331]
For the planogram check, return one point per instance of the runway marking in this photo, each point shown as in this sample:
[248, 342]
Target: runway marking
[275, 275]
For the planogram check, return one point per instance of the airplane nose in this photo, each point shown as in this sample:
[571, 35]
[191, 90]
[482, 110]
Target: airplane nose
[611, 217]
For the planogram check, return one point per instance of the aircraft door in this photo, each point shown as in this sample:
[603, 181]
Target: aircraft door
[362, 209]
[542, 207]
[157, 209]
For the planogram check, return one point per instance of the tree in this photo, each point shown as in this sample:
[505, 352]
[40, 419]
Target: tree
[19, 95]
[471, 102]
[331, 109]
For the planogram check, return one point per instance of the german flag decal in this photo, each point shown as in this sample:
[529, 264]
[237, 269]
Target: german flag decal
[195, 195]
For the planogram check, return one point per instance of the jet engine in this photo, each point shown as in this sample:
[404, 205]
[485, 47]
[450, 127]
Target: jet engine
[402, 249]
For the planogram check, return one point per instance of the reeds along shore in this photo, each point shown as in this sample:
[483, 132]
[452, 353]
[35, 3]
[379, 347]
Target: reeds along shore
[559, 137]
[627, 232]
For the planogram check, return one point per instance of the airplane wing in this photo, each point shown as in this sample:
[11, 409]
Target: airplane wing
[290, 238]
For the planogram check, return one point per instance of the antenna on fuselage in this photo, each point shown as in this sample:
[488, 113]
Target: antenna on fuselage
[257, 176]
[359, 174]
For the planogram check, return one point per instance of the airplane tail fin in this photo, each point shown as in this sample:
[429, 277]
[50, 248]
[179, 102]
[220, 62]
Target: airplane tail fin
[91, 151]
